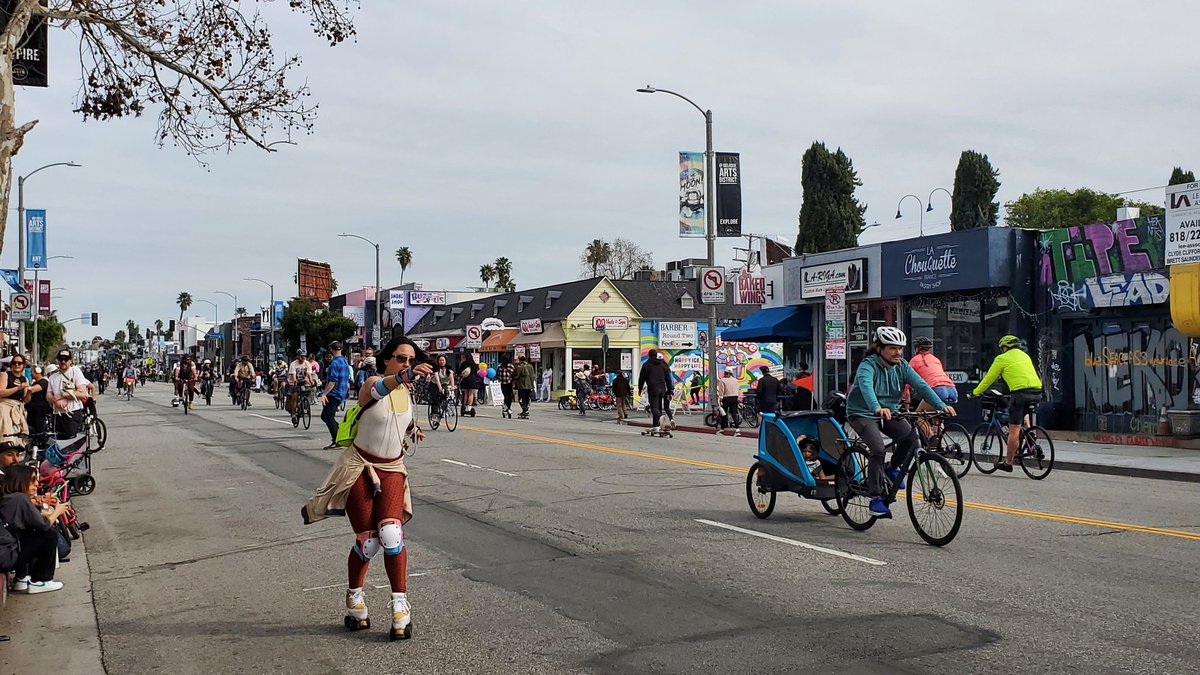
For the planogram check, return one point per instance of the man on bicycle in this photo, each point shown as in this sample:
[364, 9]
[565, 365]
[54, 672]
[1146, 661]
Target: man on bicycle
[878, 385]
[185, 374]
[1024, 386]
[208, 377]
[243, 375]
[300, 376]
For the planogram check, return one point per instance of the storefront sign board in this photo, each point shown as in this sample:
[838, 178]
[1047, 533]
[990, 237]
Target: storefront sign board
[850, 276]
[677, 334]
[835, 349]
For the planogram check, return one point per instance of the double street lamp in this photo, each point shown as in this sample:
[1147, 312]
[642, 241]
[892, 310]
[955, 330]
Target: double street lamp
[378, 332]
[921, 212]
[710, 235]
[21, 240]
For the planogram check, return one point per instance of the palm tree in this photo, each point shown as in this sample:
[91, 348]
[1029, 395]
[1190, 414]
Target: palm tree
[132, 327]
[596, 254]
[240, 311]
[404, 257]
[119, 338]
[486, 274]
[184, 301]
[504, 279]
[158, 324]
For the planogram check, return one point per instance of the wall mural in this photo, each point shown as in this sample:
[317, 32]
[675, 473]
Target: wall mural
[743, 358]
[1124, 379]
[1114, 264]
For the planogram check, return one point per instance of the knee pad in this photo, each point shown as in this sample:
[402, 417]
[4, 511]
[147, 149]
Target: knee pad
[391, 537]
[366, 545]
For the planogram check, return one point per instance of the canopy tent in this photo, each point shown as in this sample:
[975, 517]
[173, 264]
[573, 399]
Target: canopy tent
[777, 324]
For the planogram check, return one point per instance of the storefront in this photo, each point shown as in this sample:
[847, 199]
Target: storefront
[544, 344]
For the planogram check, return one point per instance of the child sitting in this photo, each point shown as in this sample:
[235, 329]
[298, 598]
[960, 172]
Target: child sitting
[808, 448]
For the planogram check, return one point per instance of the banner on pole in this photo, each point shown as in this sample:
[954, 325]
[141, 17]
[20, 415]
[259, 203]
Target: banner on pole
[10, 278]
[729, 195]
[35, 239]
[43, 297]
[692, 200]
[29, 62]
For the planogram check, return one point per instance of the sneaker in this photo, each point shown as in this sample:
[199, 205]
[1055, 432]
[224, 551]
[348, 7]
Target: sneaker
[20, 585]
[332, 446]
[673, 423]
[43, 586]
[894, 474]
[879, 509]
[1003, 466]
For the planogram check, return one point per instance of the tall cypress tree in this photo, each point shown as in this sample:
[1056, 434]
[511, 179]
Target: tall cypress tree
[1179, 177]
[830, 217]
[976, 183]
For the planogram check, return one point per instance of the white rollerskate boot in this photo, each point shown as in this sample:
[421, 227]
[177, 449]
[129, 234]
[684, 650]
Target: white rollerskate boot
[401, 617]
[356, 610]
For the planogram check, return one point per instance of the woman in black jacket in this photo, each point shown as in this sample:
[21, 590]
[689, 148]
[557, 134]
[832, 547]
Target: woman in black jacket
[32, 525]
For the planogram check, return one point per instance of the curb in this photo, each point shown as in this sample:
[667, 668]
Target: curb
[1059, 465]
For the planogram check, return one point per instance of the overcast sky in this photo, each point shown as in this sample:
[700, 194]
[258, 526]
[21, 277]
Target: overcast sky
[469, 130]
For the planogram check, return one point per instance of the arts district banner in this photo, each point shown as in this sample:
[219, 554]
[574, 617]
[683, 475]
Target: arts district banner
[729, 195]
[692, 197]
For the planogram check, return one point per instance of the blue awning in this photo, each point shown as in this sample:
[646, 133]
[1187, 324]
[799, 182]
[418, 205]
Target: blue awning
[773, 325]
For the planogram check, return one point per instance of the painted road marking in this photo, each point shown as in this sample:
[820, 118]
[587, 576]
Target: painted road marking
[476, 466]
[269, 419]
[793, 542]
[1036, 515]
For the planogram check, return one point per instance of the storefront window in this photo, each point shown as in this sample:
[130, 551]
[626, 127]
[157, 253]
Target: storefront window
[862, 319]
[956, 329]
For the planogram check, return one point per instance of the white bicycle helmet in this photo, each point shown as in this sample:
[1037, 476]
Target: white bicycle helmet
[890, 335]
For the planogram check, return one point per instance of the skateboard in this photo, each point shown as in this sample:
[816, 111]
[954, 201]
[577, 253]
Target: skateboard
[657, 432]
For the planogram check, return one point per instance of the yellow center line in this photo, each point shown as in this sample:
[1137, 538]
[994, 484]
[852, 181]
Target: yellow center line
[1037, 515]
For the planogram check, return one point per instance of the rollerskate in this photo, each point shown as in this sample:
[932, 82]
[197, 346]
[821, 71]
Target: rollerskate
[401, 617]
[523, 415]
[506, 413]
[356, 610]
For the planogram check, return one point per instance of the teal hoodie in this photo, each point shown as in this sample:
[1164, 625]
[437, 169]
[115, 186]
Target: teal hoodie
[878, 385]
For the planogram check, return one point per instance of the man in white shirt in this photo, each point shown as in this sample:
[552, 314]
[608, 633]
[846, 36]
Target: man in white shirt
[66, 390]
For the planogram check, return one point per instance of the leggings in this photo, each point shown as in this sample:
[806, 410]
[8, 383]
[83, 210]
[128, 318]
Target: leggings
[507, 390]
[900, 431]
[365, 513]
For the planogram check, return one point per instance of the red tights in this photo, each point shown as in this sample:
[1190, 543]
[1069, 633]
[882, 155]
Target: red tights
[366, 511]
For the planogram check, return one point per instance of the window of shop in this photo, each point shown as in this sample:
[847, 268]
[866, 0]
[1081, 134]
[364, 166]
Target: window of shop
[964, 331]
[862, 319]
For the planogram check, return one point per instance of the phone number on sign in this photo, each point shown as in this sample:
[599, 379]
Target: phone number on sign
[1186, 235]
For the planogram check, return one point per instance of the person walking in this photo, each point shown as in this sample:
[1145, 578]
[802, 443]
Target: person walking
[523, 379]
[369, 483]
[768, 392]
[504, 375]
[468, 373]
[337, 387]
[621, 391]
[547, 383]
[697, 386]
[730, 391]
[582, 388]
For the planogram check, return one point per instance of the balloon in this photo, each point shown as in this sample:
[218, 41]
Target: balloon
[491, 373]
[483, 367]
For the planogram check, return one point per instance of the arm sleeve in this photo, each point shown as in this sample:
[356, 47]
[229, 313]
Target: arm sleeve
[864, 380]
[992, 374]
[923, 389]
[29, 518]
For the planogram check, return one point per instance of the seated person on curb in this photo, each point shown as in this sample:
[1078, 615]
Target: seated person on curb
[878, 385]
[31, 525]
[1024, 386]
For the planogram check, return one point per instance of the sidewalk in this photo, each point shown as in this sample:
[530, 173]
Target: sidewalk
[1136, 461]
[54, 632]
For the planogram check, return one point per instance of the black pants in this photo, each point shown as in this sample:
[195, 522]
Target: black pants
[36, 559]
[68, 424]
[900, 431]
[730, 418]
[657, 398]
[507, 390]
[523, 395]
[329, 415]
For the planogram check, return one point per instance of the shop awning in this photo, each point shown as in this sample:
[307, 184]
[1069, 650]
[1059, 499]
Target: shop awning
[551, 337]
[773, 325]
[498, 341]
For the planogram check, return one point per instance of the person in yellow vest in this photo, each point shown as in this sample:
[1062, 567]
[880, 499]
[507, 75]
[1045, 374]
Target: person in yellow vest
[1024, 386]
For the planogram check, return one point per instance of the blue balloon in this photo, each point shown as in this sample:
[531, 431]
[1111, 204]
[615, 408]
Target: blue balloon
[491, 373]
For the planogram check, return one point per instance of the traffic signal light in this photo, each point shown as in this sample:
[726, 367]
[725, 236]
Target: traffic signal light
[171, 327]
[95, 319]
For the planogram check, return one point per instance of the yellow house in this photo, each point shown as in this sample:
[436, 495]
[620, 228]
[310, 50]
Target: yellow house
[603, 312]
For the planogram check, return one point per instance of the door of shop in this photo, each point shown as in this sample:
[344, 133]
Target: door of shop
[862, 318]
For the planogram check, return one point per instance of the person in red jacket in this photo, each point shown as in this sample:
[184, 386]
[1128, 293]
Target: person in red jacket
[929, 368]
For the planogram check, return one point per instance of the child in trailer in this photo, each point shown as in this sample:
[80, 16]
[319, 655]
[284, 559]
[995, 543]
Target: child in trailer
[816, 465]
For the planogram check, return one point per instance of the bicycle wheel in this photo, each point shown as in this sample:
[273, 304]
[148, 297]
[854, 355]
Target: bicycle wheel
[1037, 453]
[98, 430]
[934, 497]
[83, 485]
[750, 416]
[760, 497]
[183, 403]
[451, 418]
[433, 416]
[853, 495]
[953, 443]
[986, 445]
[306, 415]
[831, 506]
[710, 420]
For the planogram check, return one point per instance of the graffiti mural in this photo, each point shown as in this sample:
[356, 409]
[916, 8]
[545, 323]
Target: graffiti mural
[743, 358]
[1124, 379]
[1104, 265]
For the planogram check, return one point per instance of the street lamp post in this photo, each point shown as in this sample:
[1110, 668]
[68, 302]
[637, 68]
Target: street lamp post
[378, 313]
[37, 309]
[234, 332]
[920, 213]
[21, 239]
[710, 234]
[929, 200]
[270, 351]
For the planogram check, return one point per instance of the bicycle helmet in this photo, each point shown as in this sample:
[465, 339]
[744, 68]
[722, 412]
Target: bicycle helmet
[208, 362]
[301, 352]
[1010, 341]
[922, 342]
[890, 335]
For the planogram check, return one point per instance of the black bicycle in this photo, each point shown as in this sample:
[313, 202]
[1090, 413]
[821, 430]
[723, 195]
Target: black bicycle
[446, 412]
[97, 431]
[303, 412]
[244, 394]
[933, 495]
[1035, 451]
[206, 390]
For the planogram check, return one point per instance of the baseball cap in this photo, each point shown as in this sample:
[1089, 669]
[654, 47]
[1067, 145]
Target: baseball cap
[370, 361]
[63, 354]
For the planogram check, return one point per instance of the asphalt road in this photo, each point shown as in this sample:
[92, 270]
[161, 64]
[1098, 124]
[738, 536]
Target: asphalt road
[568, 545]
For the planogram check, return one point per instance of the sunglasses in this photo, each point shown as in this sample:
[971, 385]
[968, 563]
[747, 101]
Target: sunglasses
[18, 363]
[402, 359]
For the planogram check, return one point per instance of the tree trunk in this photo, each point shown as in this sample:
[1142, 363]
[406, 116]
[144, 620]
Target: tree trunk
[11, 136]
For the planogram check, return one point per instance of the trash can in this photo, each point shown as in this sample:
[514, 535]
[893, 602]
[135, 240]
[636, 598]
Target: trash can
[1185, 423]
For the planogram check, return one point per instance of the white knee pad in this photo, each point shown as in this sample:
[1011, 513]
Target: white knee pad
[367, 545]
[391, 536]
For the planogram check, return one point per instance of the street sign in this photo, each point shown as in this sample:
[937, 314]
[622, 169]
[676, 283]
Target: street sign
[474, 337]
[604, 342]
[22, 307]
[712, 285]
[835, 304]
[677, 334]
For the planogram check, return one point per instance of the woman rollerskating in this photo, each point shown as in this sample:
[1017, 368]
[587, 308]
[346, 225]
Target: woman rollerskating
[369, 483]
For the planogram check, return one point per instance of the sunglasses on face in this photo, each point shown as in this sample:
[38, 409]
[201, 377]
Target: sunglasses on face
[18, 363]
[403, 359]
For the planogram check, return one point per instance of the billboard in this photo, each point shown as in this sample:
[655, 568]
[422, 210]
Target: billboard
[315, 280]
[692, 200]
[418, 298]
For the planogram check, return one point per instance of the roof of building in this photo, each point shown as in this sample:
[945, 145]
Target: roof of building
[549, 303]
[661, 300]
